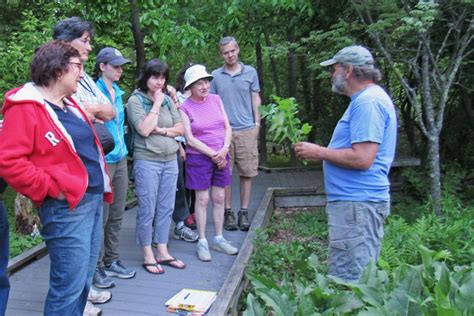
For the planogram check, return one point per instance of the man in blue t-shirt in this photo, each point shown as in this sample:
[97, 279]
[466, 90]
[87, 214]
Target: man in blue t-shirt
[356, 163]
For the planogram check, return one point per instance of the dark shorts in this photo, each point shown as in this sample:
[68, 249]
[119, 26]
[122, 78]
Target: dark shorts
[202, 173]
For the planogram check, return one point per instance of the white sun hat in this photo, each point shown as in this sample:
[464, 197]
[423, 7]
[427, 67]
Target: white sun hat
[195, 73]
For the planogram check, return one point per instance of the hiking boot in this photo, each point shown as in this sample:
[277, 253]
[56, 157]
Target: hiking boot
[203, 251]
[244, 223]
[190, 221]
[101, 280]
[225, 247]
[185, 234]
[99, 297]
[116, 269]
[229, 221]
[91, 310]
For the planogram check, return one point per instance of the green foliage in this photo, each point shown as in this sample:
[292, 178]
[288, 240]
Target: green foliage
[454, 232]
[283, 121]
[20, 243]
[287, 270]
[15, 56]
[279, 254]
[430, 288]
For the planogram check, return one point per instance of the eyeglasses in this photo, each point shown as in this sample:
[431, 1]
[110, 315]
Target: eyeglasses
[78, 65]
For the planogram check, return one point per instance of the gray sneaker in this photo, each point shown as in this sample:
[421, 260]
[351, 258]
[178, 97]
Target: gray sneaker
[101, 280]
[225, 247]
[99, 297]
[116, 269]
[203, 252]
[186, 234]
[91, 310]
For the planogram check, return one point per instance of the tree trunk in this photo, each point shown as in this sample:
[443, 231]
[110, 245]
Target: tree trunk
[26, 217]
[291, 62]
[137, 37]
[262, 136]
[466, 100]
[305, 84]
[409, 125]
[273, 66]
[435, 173]
[292, 84]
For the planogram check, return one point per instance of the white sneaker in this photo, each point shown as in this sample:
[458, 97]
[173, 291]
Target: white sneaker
[99, 297]
[224, 246]
[91, 310]
[203, 251]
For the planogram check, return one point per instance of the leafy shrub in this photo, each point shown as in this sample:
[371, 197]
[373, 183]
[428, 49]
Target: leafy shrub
[430, 288]
[286, 244]
[283, 122]
[402, 239]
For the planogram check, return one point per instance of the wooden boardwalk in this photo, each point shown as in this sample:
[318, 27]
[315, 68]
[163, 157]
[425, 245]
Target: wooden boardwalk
[146, 294]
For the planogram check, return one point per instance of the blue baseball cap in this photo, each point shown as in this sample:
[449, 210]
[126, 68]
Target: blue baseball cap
[355, 55]
[111, 56]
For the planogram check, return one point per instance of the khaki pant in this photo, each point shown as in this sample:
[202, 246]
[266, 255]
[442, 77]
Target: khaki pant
[113, 213]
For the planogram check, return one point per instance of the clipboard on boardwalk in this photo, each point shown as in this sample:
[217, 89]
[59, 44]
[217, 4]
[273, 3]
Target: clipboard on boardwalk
[195, 302]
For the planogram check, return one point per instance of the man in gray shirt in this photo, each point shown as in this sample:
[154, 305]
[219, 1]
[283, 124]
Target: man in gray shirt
[237, 85]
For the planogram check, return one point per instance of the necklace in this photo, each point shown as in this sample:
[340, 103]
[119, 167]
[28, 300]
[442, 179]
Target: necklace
[63, 108]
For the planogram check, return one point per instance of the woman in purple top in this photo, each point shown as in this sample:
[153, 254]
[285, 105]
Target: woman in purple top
[208, 134]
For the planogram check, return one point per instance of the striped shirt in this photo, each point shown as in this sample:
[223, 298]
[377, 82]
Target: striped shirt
[207, 122]
[88, 92]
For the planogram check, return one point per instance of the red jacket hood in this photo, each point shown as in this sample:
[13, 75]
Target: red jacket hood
[25, 157]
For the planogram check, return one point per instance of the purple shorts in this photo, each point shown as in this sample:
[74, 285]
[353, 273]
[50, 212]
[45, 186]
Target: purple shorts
[202, 173]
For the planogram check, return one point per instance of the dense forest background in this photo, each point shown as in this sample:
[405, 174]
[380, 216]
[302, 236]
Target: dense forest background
[424, 49]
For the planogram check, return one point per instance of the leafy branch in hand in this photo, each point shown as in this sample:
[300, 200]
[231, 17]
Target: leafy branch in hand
[281, 115]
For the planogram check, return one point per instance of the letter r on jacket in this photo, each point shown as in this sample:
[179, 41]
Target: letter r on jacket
[52, 138]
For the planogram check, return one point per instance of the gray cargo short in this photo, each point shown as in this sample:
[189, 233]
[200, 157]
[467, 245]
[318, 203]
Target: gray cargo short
[355, 235]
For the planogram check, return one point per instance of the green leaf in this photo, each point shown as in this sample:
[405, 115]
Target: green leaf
[345, 302]
[464, 297]
[407, 291]
[279, 302]
[259, 281]
[444, 282]
[254, 308]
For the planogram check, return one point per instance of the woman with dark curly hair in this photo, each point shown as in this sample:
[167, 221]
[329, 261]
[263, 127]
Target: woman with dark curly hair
[50, 153]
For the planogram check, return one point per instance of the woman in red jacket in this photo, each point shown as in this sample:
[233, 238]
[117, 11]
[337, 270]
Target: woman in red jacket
[50, 153]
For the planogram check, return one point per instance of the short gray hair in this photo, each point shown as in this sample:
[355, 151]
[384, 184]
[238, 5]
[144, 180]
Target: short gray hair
[69, 29]
[367, 73]
[227, 40]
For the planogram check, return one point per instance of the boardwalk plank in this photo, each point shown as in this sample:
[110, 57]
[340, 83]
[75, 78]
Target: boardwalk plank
[146, 294]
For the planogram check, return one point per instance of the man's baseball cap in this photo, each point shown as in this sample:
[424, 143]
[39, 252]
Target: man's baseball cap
[111, 56]
[354, 55]
[195, 73]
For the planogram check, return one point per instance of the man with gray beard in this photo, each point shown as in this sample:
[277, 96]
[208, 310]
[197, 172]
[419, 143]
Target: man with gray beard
[356, 163]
